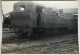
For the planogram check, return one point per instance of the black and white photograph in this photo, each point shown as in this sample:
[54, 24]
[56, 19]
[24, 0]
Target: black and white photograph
[39, 27]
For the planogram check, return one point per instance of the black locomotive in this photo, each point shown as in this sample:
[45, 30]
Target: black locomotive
[29, 19]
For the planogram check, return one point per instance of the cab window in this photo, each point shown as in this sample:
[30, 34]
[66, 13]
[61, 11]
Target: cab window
[22, 7]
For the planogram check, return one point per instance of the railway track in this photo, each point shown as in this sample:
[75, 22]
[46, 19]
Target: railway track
[51, 44]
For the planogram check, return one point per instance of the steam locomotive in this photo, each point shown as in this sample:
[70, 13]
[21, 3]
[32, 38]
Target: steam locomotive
[28, 18]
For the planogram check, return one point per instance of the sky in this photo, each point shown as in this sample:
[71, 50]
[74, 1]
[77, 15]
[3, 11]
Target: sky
[7, 6]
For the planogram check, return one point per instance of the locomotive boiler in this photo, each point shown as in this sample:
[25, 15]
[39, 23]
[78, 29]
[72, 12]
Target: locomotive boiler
[28, 18]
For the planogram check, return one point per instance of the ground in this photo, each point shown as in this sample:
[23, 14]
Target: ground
[57, 44]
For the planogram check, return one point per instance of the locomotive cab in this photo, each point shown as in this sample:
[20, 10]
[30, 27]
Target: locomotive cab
[25, 17]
